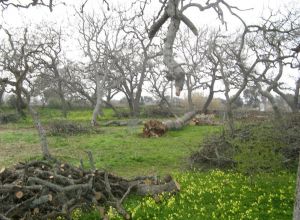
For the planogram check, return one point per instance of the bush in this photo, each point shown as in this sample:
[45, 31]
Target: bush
[122, 113]
[156, 111]
[8, 118]
[54, 103]
[67, 128]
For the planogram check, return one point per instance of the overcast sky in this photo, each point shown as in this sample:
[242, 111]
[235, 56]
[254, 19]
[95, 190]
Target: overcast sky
[64, 14]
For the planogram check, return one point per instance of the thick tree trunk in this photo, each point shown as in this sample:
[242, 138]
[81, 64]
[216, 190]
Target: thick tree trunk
[296, 214]
[178, 123]
[210, 96]
[230, 119]
[154, 128]
[189, 93]
[62, 99]
[136, 107]
[20, 105]
[175, 71]
[2, 90]
[99, 94]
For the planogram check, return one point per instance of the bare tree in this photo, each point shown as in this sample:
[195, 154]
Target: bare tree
[19, 62]
[269, 43]
[193, 53]
[95, 47]
[16, 61]
[132, 58]
[51, 59]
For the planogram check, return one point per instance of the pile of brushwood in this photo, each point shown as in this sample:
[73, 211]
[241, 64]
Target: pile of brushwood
[46, 190]
[68, 128]
[258, 146]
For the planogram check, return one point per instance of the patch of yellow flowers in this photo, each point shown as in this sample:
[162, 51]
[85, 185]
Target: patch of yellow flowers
[219, 195]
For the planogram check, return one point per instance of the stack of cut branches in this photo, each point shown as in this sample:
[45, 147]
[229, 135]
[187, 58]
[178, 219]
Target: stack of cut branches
[44, 190]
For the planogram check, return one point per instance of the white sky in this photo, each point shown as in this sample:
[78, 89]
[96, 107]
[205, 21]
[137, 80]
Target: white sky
[65, 16]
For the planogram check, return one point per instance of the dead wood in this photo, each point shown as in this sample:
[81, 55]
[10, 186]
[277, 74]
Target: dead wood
[44, 190]
[120, 123]
[155, 128]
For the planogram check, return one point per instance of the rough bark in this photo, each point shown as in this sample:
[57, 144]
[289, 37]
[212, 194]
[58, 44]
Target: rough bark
[99, 95]
[175, 71]
[210, 96]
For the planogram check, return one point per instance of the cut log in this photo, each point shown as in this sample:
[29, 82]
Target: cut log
[155, 128]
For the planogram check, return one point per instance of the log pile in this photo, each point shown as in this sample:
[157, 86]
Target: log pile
[44, 190]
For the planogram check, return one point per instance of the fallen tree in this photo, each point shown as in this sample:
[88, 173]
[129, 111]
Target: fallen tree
[155, 128]
[44, 190]
[123, 123]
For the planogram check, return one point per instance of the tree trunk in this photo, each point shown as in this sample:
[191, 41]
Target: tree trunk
[175, 71]
[62, 99]
[178, 123]
[210, 97]
[20, 105]
[136, 107]
[2, 90]
[229, 117]
[296, 213]
[99, 94]
[189, 93]
[154, 128]
[41, 132]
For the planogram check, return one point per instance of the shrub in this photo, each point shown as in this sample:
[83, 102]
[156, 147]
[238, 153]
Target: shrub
[67, 128]
[156, 111]
[8, 118]
[255, 147]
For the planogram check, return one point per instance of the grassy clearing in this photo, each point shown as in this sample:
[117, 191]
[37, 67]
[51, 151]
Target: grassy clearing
[206, 195]
[119, 149]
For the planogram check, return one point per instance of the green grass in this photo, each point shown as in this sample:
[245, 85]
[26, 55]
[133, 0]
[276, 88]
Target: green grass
[119, 149]
[122, 150]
